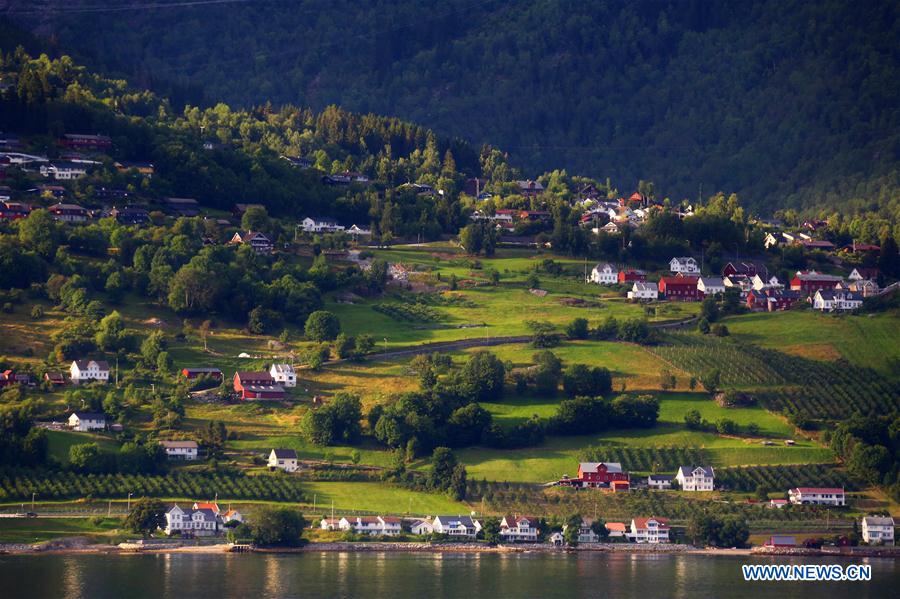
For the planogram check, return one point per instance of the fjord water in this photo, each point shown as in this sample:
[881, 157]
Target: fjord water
[431, 576]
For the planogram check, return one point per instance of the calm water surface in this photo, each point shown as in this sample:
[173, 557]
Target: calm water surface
[431, 576]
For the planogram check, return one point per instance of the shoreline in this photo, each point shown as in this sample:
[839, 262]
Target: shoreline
[79, 547]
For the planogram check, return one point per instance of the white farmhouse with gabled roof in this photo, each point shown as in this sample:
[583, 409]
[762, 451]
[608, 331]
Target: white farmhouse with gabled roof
[695, 478]
[604, 274]
[180, 450]
[684, 264]
[284, 374]
[644, 290]
[83, 371]
[87, 421]
[649, 530]
[878, 530]
[817, 496]
[710, 285]
[456, 526]
[283, 459]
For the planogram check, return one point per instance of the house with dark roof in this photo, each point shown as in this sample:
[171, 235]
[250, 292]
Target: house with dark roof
[660, 481]
[255, 239]
[86, 371]
[283, 459]
[696, 478]
[456, 526]
[87, 421]
[835, 300]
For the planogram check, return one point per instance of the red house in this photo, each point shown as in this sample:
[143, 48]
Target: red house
[680, 288]
[810, 282]
[600, 474]
[13, 210]
[257, 385]
[632, 275]
[772, 300]
[78, 141]
[193, 373]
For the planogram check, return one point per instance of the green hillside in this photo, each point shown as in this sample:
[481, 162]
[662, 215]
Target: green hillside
[788, 103]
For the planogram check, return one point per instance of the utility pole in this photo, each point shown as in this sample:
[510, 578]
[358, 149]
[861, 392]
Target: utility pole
[32, 501]
[129, 501]
[315, 496]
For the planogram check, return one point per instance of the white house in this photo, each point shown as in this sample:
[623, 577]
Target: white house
[421, 527]
[180, 450]
[284, 374]
[649, 530]
[684, 264]
[456, 526]
[757, 282]
[660, 481]
[519, 529]
[285, 459]
[87, 421]
[604, 274]
[371, 525]
[832, 300]
[330, 523]
[710, 285]
[63, 170]
[82, 371]
[817, 495]
[586, 534]
[648, 290]
[878, 530]
[356, 231]
[616, 530]
[312, 224]
[695, 478]
[190, 522]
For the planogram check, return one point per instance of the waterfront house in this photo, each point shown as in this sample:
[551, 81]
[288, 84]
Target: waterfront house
[330, 524]
[817, 495]
[456, 526]
[878, 530]
[87, 421]
[649, 530]
[191, 522]
[180, 450]
[283, 459]
[86, 371]
[519, 529]
[616, 530]
[695, 478]
[421, 527]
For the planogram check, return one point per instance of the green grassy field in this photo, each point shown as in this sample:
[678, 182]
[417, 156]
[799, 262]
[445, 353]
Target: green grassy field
[36, 530]
[380, 499]
[59, 442]
[865, 340]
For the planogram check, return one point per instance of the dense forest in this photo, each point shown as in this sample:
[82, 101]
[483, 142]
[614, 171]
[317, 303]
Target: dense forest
[788, 103]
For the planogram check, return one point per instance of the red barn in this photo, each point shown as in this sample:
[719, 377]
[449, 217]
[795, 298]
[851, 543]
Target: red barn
[13, 210]
[78, 141]
[772, 300]
[600, 474]
[680, 288]
[810, 282]
[193, 373]
[632, 275]
[257, 385]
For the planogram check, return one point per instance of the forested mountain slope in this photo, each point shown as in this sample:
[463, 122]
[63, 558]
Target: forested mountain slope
[786, 102]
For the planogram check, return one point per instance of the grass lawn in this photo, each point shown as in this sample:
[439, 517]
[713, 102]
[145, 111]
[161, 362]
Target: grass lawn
[865, 340]
[380, 499]
[35, 530]
[59, 442]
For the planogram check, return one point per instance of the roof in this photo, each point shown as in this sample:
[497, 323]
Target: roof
[642, 522]
[207, 505]
[688, 470]
[816, 276]
[101, 364]
[322, 219]
[181, 201]
[830, 294]
[819, 489]
[201, 369]
[283, 368]
[605, 265]
[878, 521]
[456, 521]
[285, 454]
[661, 477]
[390, 519]
[179, 444]
[682, 258]
[593, 466]
[645, 286]
[90, 415]
[253, 375]
[615, 526]
[690, 281]
[712, 281]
